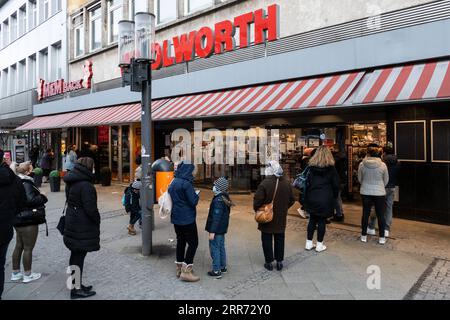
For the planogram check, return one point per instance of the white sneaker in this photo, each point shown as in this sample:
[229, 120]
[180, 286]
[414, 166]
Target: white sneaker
[302, 213]
[386, 233]
[31, 277]
[320, 247]
[16, 276]
[309, 245]
[364, 238]
[371, 232]
[382, 240]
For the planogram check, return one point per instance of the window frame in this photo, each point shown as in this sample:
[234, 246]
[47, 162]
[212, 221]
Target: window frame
[91, 20]
[158, 21]
[111, 8]
[187, 10]
[424, 122]
[47, 9]
[13, 22]
[432, 141]
[78, 26]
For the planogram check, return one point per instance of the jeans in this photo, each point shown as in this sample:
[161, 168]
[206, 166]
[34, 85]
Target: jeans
[321, 223]
[3, 251]
[267, 240]
[25, 241]
[218, 254]
[338, 205]
[380, 208]
[186, 235]
[135, 217]
[77, 259]
[390, 193]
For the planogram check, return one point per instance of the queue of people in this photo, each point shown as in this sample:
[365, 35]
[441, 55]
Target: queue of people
[377, 173]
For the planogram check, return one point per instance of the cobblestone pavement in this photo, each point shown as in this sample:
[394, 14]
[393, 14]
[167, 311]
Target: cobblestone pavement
[434, 284]
[119, 271]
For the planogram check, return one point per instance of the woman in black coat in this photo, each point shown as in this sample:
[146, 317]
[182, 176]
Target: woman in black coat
[27, 226]
[82, 227]
[322, 188]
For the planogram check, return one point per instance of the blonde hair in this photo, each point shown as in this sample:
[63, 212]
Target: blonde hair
[322, 158]
[24, 167]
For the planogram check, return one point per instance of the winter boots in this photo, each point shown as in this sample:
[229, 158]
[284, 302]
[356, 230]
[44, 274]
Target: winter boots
[187, 273]
[179, 266]
[131, 230]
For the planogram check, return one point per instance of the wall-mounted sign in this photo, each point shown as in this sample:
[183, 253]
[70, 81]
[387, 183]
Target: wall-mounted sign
[219, 39]
[60, 86]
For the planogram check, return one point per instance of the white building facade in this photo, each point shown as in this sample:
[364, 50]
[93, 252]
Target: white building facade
[32, 47]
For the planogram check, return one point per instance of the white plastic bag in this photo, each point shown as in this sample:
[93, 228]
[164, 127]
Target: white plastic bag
[165, 205]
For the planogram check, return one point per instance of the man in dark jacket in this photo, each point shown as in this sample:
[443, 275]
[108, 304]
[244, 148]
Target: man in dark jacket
[12, 198]
[341, 165]
[217, 226]
[82, 228]
[283, 199]
[183, 217]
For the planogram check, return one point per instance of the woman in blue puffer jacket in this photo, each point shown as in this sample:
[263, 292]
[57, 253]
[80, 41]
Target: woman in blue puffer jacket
[183, 217]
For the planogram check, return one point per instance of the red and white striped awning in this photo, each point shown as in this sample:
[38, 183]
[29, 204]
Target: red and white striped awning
[286, 96]
[410, 82]
[48, 122]
[93, 117]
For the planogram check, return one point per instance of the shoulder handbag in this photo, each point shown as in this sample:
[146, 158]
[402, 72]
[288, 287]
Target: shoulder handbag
[165, 204]
[62, 221]
[265, 213]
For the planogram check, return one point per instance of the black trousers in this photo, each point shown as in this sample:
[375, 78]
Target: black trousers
[186, 235]
[380, 207]
[268, 240]
[3, 251]
[77, 259]
[320, 223]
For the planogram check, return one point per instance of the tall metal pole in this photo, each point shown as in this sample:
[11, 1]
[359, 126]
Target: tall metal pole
[147, 175]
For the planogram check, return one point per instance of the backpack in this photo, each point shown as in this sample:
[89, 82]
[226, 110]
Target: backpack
[126, 194]
[301, 181]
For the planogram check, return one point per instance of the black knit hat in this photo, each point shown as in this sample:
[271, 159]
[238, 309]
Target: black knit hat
[221, 184]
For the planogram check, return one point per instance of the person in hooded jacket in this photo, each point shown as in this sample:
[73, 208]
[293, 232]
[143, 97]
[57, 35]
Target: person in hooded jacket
[373, 176]
[322, 188]
[12, 198]
[82, 227]
[217, 226]
[183, 217]
[273, 232]
[27, 228]
[393, 166]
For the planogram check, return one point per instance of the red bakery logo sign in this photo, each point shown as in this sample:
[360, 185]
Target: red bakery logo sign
[60, 86]
[207, 41]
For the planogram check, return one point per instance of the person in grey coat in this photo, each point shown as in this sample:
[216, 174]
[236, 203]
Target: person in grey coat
[373, 176]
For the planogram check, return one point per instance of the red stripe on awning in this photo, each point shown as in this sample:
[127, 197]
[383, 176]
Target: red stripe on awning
[48, 122]
[377, 85]
[424, 80]
[444, 90]
[399, 83]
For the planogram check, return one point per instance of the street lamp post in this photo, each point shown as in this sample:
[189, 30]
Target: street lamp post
[136, 55]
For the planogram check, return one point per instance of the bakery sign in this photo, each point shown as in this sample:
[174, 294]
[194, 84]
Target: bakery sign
[60, 86]
[206, 41]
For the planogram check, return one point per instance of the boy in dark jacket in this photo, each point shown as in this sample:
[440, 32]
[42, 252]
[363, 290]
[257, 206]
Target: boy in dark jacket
[132, 205]
[217, 226]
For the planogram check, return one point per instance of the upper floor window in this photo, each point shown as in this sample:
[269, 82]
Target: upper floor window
[5, 33]
[22, 20]
[56, 6]
[13, 22]
[95, 28]
[166, 11]
[78, 35]
[196, 5]
[32, 14]
[114, 16]
[32, 79]
[46, 9]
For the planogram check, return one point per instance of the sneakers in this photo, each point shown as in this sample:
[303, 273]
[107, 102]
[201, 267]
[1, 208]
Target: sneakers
[386, 233]
[309, 245]
[31, 277]
[382, 240]
[215, 274]
[320, 247]
[363, 238]
[16, 276]
[338, 218]
[302, 213]
[279, 265]
[81, 294]
[371, 232]
[224, 270]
